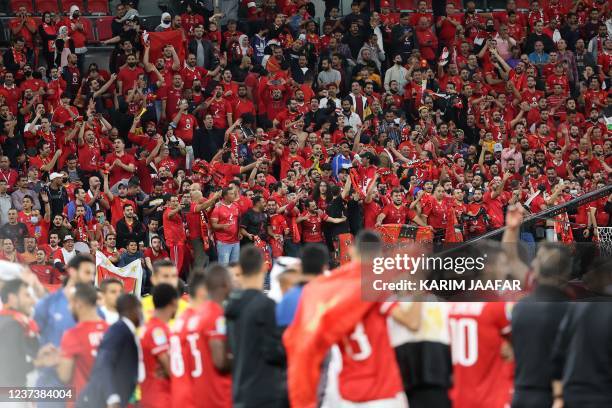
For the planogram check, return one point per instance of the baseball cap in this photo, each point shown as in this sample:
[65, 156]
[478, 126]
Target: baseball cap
[68, 238]
[55, 175]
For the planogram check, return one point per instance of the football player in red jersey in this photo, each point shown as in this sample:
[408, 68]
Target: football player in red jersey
[155, 388]
[370, 375]
[210, 374]
[80, 343]
[482, 377]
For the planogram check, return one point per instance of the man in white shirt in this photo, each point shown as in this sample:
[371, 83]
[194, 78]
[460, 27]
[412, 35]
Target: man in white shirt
[396, 73]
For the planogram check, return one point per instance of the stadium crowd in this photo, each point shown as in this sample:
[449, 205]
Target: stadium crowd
[257, 128]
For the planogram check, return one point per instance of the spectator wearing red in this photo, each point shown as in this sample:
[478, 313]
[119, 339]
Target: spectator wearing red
[174, 232]
[224, 221]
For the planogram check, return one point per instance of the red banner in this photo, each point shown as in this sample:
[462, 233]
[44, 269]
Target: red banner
[400, 233]
[159, 40]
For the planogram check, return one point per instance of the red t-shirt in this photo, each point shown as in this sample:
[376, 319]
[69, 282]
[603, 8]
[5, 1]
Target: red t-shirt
[185, 127]
[394, 215]
[369, 368]
[437, 212]
[117, 204]
[495, 207]
[481, 376]
[89, 157]
[311, 227]
[227, 214]
[370, 212]
[219, 109]
[212, 389]
[118, 173]
[162, 254]
[190, 74]
[80, 343]
[155, 389]
[128, 76]
[172, 96]
[174, 230]
[229, 171]
[182, 353]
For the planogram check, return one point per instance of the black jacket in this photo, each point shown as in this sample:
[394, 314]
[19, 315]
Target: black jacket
[115, 371]
[209, 57]
[255, 341]
[124, 233]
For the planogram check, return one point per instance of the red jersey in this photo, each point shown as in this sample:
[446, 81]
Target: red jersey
[370, 212]
[437, 212]
[278, 224]
[185, 127]
[155, 389]
[117, 204]
[119, 173]
[162, 254]
[128, 76]
[229, 171]
[212, 388]
[174, 230]
[219, 108]
[190, 74]
[227, 214]
[89, 157]
[181, 360]
[482, 377]
[494, 207]
[369, 368]
[80, 344]
[311, 227]
[394, 215]
[172, 96]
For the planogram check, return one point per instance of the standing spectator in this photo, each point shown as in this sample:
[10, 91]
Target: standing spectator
[253, 336]
[225, 222]
[174, 232]
[14, 230]
[116, 371]
[129, 227]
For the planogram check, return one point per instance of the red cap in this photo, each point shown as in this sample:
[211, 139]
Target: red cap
[384, 4]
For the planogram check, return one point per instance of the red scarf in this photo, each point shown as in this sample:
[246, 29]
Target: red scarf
[29, 325]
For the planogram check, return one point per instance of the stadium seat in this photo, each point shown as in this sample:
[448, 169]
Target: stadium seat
[103, 24]
[15, 4]
[42, 6]
[98, 7]
[66, 4]
[89, 29]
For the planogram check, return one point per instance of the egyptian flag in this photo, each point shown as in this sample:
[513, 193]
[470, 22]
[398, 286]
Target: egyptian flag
[159, 40]
[329, 308]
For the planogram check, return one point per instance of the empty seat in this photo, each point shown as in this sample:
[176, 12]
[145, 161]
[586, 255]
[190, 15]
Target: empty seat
[15, 4]
[98, 7]
[104, 26]
[42, 6]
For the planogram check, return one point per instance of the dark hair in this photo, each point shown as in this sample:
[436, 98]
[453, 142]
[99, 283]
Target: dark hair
[78, 259]
[86, 292]
[251, 260]
[109, 281]
[11, 287]
[163, 295]
[368, 243]
[197, 279]
[217, 276]
[314, 258]
[127, 303]
[162, 263]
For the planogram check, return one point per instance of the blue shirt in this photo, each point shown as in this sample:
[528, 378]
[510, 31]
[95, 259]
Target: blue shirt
[53, 316]
[285, 309]
[539, 58]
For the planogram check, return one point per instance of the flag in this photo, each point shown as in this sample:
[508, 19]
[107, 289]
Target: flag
[159, 40]
[131, 275]
[329, 309]
[400, 233]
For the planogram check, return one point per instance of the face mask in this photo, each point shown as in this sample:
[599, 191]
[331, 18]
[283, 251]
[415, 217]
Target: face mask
[197, 88]
[34, 220]
[101, 219]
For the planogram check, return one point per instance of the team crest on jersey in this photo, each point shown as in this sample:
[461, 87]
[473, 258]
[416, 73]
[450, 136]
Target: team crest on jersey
[220, 325]
[159, 336]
